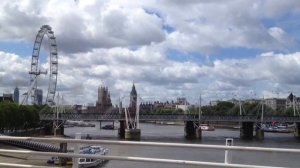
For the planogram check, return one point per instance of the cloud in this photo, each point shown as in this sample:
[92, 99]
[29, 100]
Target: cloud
[13, 70]
[81, 27]
[118, 43]
[201, 26]
[158, 78]
[209, 26]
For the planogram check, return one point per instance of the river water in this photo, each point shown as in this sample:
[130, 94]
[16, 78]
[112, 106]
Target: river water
[175, 134]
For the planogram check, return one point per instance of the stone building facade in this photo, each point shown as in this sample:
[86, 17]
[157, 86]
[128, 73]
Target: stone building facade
[104, 102]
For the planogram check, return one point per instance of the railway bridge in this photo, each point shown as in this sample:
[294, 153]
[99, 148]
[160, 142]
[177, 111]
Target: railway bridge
[191, 121]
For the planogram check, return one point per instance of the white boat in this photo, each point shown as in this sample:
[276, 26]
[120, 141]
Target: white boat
[84, 162]
[206, 127]
[92, 150]
[276, 128]
[70, 123]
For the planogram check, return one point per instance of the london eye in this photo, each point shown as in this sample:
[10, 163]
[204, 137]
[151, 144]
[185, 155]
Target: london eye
[35, 67]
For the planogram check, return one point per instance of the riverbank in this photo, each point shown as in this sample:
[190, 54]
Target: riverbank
[26, 159]
[21, 158]
[26, 132]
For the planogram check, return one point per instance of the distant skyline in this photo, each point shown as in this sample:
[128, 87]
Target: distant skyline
[168, 49]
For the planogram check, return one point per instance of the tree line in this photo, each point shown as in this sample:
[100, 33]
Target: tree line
[228, 108]
[14, 117]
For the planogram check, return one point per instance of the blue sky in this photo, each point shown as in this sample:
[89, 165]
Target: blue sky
[20, 48]
[168, 49]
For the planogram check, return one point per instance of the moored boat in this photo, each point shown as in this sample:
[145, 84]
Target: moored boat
[276, 129]
[92, 150]
[109, 127]
[84, 162]
[206, 127]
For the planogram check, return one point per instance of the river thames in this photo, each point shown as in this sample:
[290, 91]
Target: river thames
[175, 134]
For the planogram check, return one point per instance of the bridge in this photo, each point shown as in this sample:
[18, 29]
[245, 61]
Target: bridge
[164, 117]
[191, 121]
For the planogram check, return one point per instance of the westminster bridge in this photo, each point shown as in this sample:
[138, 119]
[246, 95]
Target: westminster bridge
[190, 120]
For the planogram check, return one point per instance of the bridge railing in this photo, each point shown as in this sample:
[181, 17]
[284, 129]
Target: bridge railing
[141, 159]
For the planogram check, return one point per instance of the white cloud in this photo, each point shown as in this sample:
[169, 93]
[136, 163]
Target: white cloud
[199, 26]
[121, 42]
[80, 27]
[12, 70]
[164, 80]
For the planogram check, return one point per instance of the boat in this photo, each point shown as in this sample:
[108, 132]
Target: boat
[275, 129]
[206, 127]
[109, 127]
[92, 150]
[84, 162]
[70, 123]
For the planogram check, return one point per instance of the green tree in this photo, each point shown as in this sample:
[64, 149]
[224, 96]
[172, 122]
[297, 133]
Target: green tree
[289, 111]
[13, 119]
[207, 110]
[178, 111]
[2, 120]
[29, 116]
[223, 107]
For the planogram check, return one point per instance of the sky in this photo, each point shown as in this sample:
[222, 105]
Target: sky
[167, 48]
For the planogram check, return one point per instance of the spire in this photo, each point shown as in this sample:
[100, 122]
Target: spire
[291, 97]
[133, 91]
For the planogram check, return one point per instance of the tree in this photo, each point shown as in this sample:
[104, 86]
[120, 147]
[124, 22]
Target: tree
[178, 111]
[12, 118]
[289, 111]
[223, 107]
[207, 110]
[2, 120]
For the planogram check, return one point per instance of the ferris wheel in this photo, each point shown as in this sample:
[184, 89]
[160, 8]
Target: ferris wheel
[35, 70]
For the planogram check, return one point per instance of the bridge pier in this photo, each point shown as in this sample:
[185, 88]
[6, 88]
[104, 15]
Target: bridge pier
[60, 130]
[246, 130]
[259, 134]
[198, 133]
[121, 130]
[297, 130]
[132, 134]
[63, 148]
[48, 128]
[190, 131]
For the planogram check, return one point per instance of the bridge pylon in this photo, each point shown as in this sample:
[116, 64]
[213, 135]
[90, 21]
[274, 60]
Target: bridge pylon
[132, 128]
